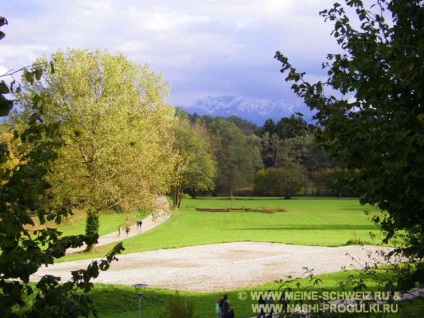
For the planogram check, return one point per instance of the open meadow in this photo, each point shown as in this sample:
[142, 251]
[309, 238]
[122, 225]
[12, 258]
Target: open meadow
[324, 222]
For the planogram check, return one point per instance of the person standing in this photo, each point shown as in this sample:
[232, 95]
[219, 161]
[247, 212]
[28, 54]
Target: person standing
[218, 308]
[222, 302]
[261, 303]
[227, 310]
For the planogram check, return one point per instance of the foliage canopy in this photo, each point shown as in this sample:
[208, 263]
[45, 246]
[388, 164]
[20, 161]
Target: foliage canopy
[195, 167]
[115, 127]
[370, 108]
[23, 197]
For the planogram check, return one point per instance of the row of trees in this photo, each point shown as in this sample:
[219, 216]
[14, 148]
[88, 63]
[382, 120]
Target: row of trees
[121, 145]
[278, 159]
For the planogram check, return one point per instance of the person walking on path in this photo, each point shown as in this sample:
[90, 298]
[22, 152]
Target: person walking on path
[139, 224]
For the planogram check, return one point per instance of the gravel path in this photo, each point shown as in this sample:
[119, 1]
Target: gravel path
[217, 267]
[151, 221]
[223, 267]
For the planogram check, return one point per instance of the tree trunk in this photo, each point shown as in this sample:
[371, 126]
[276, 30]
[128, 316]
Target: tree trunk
[179, 201]
[175, 198]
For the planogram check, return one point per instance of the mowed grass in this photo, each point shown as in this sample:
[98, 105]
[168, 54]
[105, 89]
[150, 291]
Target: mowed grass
[75, 224]
[326, 222]
[119, 301]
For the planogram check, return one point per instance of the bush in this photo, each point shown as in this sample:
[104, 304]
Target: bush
[177, 307]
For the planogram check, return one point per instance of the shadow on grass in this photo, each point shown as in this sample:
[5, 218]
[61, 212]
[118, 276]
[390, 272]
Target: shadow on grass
[121, 301]
[308, 227]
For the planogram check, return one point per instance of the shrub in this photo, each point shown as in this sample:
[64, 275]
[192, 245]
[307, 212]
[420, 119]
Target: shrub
[177, 307]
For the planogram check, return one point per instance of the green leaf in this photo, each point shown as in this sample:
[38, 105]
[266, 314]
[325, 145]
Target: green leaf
[38, 73]
[3, 88]
[28, 77]
[5, 106]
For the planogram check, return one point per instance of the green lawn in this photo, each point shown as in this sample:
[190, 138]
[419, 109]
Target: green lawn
[108, 220]
[120, 301]
[328, 222]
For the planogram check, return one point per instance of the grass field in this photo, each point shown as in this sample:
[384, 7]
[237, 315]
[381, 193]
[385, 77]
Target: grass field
[328, 222]
[117, 301]
[74, 225]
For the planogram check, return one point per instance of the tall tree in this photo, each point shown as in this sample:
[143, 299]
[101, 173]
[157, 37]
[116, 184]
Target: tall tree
[283, 182]
[11, 148]
[235, 157]
[376, 121]
[290, 127]
[24, 196]
[248, 128]
[195, 167]
[115, 126]
[274, 136]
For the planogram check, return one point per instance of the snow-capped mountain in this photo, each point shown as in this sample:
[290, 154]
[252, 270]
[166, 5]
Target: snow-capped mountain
[252, 109]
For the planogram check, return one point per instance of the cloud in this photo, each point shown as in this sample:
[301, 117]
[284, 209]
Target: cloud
[207, 47]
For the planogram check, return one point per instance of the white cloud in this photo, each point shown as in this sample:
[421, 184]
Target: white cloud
[94, 5]
[224, 42]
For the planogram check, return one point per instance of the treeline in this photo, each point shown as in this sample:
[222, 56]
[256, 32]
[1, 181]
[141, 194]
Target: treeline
[278, 159]
[118, 146]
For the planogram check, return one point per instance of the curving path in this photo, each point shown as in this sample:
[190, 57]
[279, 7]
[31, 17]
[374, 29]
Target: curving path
[151, 221]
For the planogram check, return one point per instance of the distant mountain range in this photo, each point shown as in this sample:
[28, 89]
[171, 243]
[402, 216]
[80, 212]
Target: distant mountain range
[252, 109]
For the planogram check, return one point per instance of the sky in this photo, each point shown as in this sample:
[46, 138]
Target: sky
[202, 48]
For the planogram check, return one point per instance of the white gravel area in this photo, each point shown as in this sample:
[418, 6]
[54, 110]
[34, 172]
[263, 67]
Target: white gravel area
[224, 267]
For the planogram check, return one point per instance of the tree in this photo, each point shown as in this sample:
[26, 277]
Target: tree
[24, 196]
[248, 128]
[195, 167]
[335, 181]
[270, 143]
[115, 127]
[290, 127]
[11, 147]
[282, 182]
[235, 157]
[5, 104]
[376, 122]
[275, 136]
